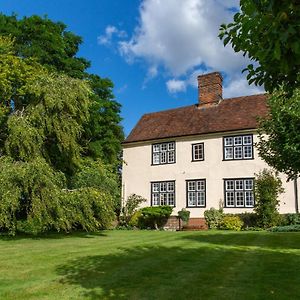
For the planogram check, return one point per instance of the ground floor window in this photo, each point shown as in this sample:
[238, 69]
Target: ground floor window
[196, 193]
[239, 192]
[163, 193]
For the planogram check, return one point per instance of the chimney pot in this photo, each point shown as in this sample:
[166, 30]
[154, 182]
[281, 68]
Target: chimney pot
[210, 88]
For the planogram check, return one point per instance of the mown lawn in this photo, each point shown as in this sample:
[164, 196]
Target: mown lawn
[152, 265]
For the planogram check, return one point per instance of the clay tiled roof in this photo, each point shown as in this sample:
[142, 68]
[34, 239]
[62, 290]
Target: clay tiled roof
[229, 115]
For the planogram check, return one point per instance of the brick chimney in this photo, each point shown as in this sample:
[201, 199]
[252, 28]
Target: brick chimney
[210, 88]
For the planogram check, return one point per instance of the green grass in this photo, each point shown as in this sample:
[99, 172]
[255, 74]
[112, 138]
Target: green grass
[151, 265]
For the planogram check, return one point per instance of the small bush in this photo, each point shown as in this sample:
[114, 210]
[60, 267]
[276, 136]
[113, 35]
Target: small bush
[232, 223]
[130, 207]
[184, 215]
[249, 219]
[289, 228]
[268, 186]
[154, 216]
[292, 219]
[253, 229]
[214, 218]
[135, 219]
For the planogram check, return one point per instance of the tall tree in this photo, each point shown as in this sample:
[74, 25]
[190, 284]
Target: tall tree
[43, 115]
[56, 48]
[267, 31]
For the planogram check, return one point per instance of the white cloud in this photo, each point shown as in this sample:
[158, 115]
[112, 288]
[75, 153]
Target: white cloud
[181, 35]
[110, 30]
[240, 87]
[180, 39]
[175, 86]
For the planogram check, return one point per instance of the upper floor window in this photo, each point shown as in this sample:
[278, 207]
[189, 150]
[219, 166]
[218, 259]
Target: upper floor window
[195, 192]
[239, 192]
[163, 193]
[163, 153]
[198, 151]
[238, 147]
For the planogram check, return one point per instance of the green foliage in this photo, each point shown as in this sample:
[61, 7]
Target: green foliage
[288, 228]
[135, 220]
[155, 216]
[279, 138]
[51, 45]
[95, 174]
[130, 207]
[214, 218]
[184, 215]
[45, 183]
[268, 186]
[248, 219]
[232, 223]
[268, 33]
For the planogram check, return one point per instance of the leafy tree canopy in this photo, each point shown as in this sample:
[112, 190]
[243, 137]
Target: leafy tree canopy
[43, 182]
[51, 45]
[279, 139]
[268, 32]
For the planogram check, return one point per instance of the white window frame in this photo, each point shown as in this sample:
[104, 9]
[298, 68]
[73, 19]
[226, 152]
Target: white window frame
[238, 147]
[163, 153]
[163, 193]
[195, 189]
[198, 152]
[236, 187]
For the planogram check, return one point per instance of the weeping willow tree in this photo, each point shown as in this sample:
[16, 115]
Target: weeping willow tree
[45, 183]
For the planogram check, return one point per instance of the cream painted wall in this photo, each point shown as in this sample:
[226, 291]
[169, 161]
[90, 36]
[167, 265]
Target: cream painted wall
[138, 172]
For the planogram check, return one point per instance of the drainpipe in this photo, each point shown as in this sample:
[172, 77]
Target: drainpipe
[296, 195]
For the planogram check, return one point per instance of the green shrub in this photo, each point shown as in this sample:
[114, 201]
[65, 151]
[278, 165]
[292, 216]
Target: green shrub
[135, 219]
[214, 217]
[292, 219]
[249, 219]
[232, 223]
[184, 215]
[289, 228]
[268, 186]
[130, 207]
[154, 217]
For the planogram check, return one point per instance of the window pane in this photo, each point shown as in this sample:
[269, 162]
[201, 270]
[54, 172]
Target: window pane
[249, 199]
[200, 185]
[239, 196]
[239, 185]
[171, 186]
[191, 186]
[171, 156]
[163, 157]
[155, 187]
[163, 199]
[171, 199]
[200, 198]
[163, 186]
[238, 140]
[228, 153]
[229, 185]
[247, 140]
[238, 152]
[248, 184]
[171, 146]
[228, 141]
[247, 151]
[156, 148]
[191, 199]
[155, 158]
[198, 152]
[230, 199]
[155, 199]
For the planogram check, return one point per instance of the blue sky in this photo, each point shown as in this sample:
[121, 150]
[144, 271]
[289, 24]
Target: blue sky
[151, 49]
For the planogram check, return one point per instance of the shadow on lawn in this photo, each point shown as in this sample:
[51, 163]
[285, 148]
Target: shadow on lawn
[51, 235]
[266, 240]
[206, 272]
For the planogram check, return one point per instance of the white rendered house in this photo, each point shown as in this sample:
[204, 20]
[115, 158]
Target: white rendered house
[200, 156]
